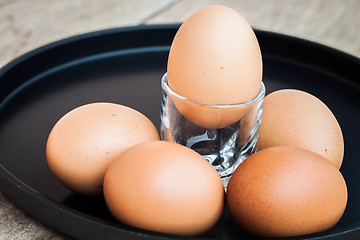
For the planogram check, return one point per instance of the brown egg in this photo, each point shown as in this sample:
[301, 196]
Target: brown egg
[286, 191]
[296, 118]
[84, 141]
[215, 59]
[165, 187]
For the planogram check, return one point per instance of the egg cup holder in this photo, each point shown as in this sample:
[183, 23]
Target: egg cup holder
[225, 146]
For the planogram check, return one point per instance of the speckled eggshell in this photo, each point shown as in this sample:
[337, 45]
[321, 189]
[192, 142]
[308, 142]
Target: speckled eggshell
[295, 118]
[165, 187]
[286, 191]
[86, 139]
[215, 58]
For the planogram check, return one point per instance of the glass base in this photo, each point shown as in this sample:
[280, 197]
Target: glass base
[224, 148]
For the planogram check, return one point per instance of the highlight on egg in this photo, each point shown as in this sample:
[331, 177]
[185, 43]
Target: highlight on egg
[85, 140]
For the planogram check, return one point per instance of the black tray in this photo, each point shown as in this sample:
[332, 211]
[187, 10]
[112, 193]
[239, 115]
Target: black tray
[125, 66]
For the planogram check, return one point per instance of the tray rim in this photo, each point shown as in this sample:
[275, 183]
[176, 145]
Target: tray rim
[12, 187]
[150, 27]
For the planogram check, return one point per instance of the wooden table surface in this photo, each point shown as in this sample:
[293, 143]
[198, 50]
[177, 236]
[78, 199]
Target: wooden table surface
[28, 24]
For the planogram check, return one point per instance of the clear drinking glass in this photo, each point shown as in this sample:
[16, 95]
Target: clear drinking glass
[223, 134]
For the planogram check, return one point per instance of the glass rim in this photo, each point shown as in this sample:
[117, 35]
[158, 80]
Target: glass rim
[165, 87]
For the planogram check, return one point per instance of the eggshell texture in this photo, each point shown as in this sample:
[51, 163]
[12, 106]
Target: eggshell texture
[295, 118]
[85, 140]
[165, 187]
[286, 191]
[215, 59]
